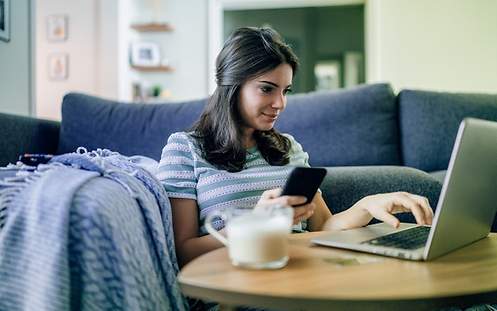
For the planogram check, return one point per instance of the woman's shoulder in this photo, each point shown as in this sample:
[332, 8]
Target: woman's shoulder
[184, 141]
[289, 136]
[298, 156]
[295, 145]
[182, 138]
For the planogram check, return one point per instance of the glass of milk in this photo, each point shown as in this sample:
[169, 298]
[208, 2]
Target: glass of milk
[256, 238]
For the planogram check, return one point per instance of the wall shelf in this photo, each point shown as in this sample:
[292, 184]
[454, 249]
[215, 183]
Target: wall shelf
[153, 68]
[152, 27]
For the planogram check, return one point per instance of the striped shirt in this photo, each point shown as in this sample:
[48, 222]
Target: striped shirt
[186, 174]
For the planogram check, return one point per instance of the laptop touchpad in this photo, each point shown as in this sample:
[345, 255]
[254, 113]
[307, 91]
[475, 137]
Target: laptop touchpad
[365, 233]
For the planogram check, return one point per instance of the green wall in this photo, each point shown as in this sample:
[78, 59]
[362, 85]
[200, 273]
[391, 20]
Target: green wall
[315, 33]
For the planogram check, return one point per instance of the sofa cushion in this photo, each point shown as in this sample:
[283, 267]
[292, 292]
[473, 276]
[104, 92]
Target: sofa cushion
[131, 129]
[439, 175]
[429, 122]
[26, 135]
[344, 186]
[356, 126]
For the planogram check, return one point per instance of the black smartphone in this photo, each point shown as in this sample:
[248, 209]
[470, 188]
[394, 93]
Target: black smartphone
[35, 159]
[304, 181]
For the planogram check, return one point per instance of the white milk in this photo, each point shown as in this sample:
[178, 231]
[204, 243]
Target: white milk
[254, 238]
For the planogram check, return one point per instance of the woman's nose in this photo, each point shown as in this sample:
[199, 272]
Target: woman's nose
[279, 101]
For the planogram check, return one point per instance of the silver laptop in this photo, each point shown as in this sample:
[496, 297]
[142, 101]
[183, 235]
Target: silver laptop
[465, 211]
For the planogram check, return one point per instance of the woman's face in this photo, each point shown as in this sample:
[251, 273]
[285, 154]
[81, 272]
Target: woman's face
[263, 98]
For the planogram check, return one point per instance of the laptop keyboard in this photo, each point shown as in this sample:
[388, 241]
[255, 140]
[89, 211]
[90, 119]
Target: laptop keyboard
[412, 238]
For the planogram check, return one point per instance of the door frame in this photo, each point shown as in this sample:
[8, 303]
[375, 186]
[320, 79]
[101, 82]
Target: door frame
[215, 22]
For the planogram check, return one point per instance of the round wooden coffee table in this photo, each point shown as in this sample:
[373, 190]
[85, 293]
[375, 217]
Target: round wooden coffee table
[322, 278]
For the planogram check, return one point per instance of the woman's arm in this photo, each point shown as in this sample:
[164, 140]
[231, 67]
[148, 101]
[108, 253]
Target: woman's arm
[185, 225]
[379, 206]
[382, 207]
[321, 213]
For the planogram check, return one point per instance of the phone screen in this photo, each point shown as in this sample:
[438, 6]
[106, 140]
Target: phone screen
[304, 181]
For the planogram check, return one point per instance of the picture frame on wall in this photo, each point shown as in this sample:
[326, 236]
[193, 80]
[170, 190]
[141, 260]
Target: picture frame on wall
[5, 20]
[58, 66]
[328, 75]
[57, 27]
[145, 54]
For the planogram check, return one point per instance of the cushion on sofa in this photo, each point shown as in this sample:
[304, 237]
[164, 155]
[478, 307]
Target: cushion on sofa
[429, 122]
[357, 126]
[439, 175]
[344, 186]
[26, 135]
[131, 129]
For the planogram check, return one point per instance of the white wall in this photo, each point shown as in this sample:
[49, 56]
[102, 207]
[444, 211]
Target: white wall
[16, 87]
[433, 44]
[80, 46]
[98, 43]
[188, 48]
[108, 34]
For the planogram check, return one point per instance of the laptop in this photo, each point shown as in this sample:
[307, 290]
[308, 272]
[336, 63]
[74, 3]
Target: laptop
[465, 210]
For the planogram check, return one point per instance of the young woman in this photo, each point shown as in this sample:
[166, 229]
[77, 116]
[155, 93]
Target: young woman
[234, 157]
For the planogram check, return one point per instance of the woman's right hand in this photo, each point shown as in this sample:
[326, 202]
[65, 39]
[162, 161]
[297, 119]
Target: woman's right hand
[300, 213]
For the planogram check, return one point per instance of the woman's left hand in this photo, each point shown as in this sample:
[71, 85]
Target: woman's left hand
[382, 207]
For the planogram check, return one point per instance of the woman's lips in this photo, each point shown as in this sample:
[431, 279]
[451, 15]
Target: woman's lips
[270, 116]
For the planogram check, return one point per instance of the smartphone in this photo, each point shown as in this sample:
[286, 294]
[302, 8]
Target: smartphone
[35, 159]
[304, 181]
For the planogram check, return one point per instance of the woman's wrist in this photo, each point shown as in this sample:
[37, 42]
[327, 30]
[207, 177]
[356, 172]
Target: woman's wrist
[355, 216]
[359, 214]
[338, 222]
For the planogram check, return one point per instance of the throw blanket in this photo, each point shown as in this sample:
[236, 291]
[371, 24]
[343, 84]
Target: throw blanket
[90, 231]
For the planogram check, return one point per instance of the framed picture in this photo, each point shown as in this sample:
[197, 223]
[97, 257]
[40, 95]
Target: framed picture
[5, 20]
[58, 66]
[328, 75]
[57, 28]
[145, 54]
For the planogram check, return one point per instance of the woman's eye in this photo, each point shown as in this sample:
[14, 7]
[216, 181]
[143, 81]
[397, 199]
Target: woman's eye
[286, 91]
[266, 89]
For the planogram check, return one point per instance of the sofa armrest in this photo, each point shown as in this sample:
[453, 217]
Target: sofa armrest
[344, 186]
[26, 135]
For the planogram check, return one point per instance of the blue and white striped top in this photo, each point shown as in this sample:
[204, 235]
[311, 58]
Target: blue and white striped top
[186, 174]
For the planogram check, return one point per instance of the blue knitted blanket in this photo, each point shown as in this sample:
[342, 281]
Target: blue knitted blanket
[88, 231]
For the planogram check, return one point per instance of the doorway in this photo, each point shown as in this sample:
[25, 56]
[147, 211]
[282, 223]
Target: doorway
[328, 38]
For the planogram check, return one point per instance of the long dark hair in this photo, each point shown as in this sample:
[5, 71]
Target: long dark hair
[248, 52]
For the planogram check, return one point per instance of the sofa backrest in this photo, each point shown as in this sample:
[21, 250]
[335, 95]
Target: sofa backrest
[429, 122]
[356, 126]
[131, 129]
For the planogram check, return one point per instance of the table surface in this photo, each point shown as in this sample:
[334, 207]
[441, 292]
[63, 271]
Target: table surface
[317, 278]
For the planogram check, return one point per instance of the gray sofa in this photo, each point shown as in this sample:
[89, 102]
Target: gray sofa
[369, 139]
